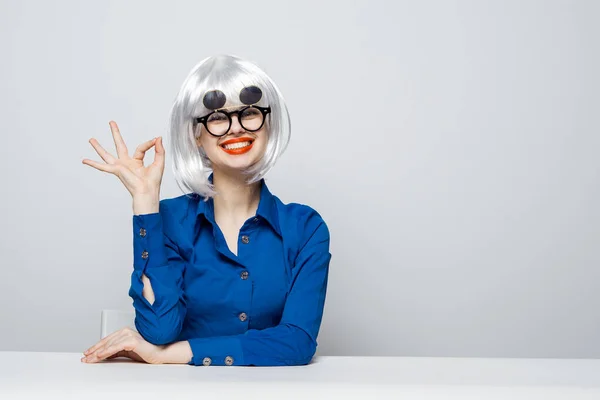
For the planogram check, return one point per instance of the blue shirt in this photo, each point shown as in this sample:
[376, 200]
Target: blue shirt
[260, 307]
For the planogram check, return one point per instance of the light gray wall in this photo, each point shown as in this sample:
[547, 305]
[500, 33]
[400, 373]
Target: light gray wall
[455, 160]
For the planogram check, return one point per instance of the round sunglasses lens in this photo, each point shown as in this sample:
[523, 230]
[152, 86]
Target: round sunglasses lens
[251, 118]
[218, 123]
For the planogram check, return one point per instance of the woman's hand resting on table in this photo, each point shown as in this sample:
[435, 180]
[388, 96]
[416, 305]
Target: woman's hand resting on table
[124, 343]
[143, 183]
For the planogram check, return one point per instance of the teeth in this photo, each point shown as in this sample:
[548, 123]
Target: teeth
[238, 145]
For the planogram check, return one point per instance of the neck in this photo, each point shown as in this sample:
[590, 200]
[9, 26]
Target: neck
[235, 199]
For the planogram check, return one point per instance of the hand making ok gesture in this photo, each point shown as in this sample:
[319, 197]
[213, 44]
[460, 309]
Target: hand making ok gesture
[139, 180]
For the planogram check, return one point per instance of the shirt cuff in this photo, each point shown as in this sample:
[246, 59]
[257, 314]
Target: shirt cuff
[148, 241]
[221, 350]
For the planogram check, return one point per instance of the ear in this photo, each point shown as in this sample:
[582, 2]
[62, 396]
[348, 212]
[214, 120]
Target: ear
[197, 140]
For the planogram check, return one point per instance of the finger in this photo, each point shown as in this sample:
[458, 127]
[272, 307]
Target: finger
[102, 167]
[142, 149]
[98, 345]
[106, 156]
[121, 353]
[119, 142]
[118, 336]
[102, 342]
[111, 342]
[113, 348]
[101, 354]
[95, 355]
[159, 155]
[118, 354]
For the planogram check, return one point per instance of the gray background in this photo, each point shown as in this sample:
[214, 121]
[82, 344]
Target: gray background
[454, 156]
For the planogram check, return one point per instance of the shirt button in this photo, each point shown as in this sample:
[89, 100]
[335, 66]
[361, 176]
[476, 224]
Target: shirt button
[142, 232]
[243, 316]
[228, 360]
[144, 254]
[245, 239]
[244, 275]
[255, 219]
[206, 362]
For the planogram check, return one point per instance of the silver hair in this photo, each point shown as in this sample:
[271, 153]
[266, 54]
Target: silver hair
[230, 74]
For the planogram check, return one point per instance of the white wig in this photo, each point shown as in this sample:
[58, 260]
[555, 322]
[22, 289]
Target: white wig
[229, 74]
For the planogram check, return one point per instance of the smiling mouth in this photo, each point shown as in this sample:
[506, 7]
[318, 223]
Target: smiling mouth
[237, 146]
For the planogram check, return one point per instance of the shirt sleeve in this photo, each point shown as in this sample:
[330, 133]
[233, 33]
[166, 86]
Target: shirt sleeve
[157, 256]
[294, 340]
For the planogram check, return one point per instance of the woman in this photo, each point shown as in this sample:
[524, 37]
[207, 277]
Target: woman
[227, 274]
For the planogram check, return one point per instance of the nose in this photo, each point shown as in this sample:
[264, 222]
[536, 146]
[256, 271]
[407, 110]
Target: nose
[236, 127]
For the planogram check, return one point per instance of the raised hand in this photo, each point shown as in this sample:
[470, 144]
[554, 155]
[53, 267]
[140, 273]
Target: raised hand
[140, 181]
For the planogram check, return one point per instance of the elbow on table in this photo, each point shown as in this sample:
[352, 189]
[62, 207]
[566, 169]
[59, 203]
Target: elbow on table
[307, 346]
[305, 350]
[297, 349]
[304, 358]
[299, 357]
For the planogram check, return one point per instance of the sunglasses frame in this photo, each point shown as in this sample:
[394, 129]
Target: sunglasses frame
[204, 120]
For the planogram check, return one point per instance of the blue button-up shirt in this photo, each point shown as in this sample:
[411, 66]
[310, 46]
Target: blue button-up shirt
[260, 307]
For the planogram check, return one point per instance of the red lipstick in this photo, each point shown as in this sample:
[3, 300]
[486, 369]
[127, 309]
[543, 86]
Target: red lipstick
[237, 150]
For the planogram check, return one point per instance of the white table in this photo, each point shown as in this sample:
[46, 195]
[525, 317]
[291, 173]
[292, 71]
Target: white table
[62, 375]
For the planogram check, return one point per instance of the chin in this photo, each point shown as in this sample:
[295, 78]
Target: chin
[239, 163]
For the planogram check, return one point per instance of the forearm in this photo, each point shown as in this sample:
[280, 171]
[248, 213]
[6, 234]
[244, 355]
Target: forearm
[146, 204]
[283, 344]
[157, 280]
[176, 353]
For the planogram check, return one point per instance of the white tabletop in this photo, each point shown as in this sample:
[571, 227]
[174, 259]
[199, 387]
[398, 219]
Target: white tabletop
[62, 375]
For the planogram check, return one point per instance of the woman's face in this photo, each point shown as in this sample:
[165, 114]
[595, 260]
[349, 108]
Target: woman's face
[237, 150]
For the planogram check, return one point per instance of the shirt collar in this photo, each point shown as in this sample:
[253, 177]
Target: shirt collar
[267, 207]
